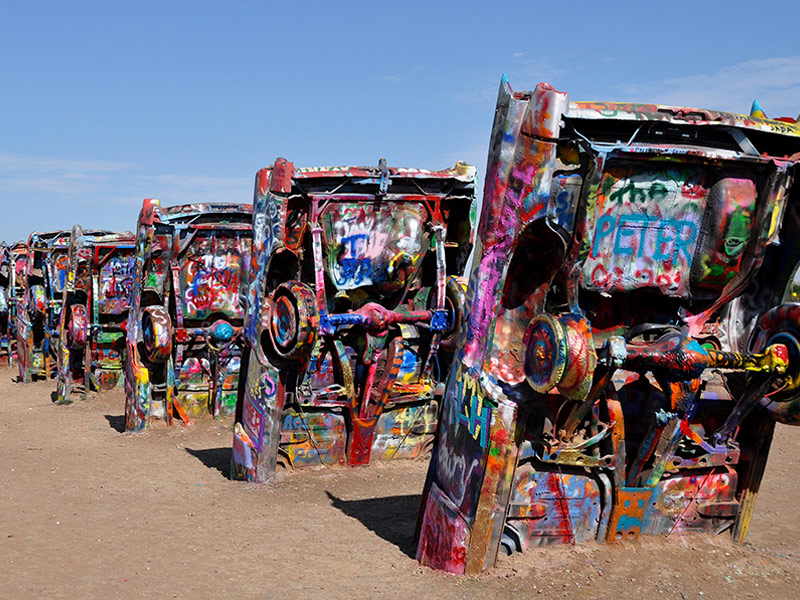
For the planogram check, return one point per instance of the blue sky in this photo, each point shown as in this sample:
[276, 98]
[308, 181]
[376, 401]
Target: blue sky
[106, 103]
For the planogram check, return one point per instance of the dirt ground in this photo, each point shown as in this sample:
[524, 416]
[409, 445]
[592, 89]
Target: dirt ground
[87, 511]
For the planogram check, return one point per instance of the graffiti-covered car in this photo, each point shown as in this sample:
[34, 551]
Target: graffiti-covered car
[632, 335]
[94, 312]
[38, 309]
[183, 342]
[6, 270]
[17, 259]
[351, 304]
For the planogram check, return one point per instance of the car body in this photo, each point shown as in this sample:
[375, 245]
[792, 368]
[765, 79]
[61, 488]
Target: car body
[350, 303]
[632, 334]
[6, 269]
[17, 258]
[183, 345]
[95, 303]
[38, 309]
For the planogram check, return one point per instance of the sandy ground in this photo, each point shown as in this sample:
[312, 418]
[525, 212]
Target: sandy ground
[87, 511]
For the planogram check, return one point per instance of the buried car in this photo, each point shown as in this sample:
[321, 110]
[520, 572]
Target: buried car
[632, 336]
[17, 259]
[6, 270]
[351, 305]
[95, 304]
[38, 310]
[183, 346]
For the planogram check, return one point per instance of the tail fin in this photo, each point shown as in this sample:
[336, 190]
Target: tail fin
[757, 112]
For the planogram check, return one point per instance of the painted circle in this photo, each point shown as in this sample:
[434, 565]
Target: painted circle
[455, 301]
[222, 331]
[581, 358]
[284, 323]
[156, 333]
[293, 320]
[781, 325]
[545, 352]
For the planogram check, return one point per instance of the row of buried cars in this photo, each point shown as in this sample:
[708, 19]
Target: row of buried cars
[614, 365]
[322, 315]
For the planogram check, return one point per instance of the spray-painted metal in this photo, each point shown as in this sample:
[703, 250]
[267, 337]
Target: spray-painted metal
[351, 305]
[6, 269]
[38, 309]
[183, 342]
[95, 304]
[17, 259]
[632, 333]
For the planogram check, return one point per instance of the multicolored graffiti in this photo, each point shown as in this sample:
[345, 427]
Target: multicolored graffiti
[632, 336]
[38, 309]
[6, 271]
[17, 259]
[352, 303]
[183, 342]
[96, 293]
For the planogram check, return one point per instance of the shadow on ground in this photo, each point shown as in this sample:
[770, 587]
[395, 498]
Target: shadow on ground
[392, 518]
[116, 422]
[214, 458]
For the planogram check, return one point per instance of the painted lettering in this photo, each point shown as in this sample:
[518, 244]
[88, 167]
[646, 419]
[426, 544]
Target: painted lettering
[474, 414]
[673, 237]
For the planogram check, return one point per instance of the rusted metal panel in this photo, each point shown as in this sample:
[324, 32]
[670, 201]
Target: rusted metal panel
[96, 298]
[632, 331]
[554, 507]
[352, 308]
[184, 328]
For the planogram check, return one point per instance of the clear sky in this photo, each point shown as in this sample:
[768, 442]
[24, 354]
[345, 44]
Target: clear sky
[105, 103]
